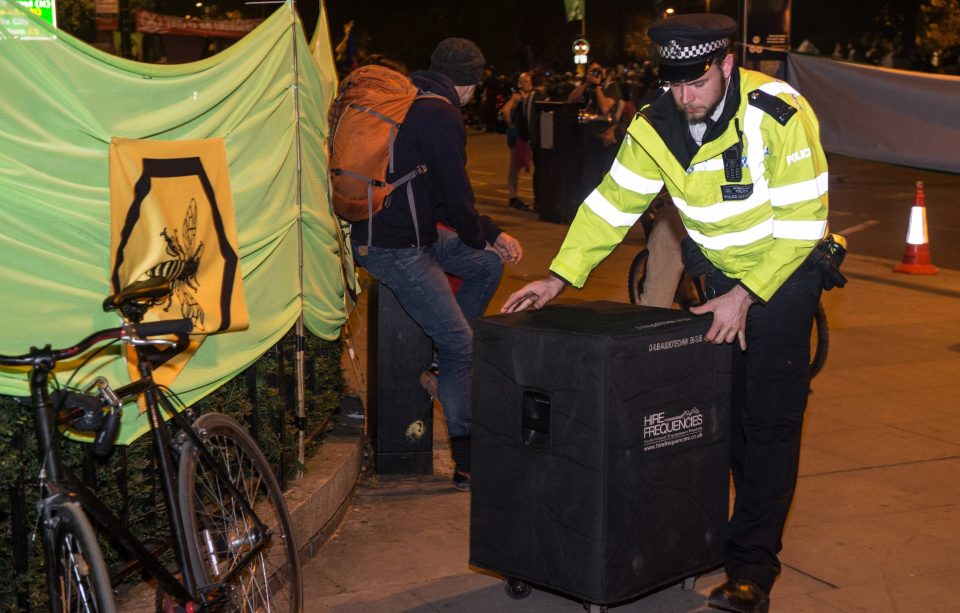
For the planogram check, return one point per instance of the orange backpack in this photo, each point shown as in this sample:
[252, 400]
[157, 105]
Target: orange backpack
[367, 114]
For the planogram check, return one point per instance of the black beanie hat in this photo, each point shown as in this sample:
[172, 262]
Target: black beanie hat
[459, 59]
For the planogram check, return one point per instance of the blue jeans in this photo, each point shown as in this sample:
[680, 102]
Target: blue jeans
[416, 277]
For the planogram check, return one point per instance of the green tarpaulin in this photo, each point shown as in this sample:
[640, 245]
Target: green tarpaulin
[266, 96]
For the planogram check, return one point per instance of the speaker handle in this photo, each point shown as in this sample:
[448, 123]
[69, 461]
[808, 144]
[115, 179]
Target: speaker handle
[535, 422]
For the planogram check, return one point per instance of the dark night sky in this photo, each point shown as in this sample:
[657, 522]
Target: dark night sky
[513, 33]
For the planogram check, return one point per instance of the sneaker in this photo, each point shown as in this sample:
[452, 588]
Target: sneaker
[430, 380]
[520, 205]
[461, 480]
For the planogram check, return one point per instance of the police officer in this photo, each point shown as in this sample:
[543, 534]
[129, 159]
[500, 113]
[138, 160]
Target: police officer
[739, 153]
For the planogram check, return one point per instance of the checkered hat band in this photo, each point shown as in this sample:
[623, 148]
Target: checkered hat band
[673, 50]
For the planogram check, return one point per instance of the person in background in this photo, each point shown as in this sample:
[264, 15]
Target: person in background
[527, 129]
[838, 53]
[519, 157]
[808, 47]
[411, 252]
[752, 225]
[600, 96]
[489, 87]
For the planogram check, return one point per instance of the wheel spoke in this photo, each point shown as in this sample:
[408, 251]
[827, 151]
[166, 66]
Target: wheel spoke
[223, 523]
[82, 583]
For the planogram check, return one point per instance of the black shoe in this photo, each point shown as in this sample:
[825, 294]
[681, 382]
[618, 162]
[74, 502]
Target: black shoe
[461, 480]
[520, 205]
[741, 596]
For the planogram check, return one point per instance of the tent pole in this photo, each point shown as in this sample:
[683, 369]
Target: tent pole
[299, 360]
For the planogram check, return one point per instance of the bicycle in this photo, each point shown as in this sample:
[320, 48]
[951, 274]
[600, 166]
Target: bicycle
[690, 292]
[232, 535]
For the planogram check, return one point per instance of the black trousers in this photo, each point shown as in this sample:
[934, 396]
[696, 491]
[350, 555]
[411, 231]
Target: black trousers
[771, 381]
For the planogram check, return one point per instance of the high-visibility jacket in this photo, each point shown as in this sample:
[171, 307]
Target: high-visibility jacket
[757, 229]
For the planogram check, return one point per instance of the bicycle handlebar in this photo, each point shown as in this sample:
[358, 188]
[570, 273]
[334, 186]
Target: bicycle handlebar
[179, 327]
[163, 328]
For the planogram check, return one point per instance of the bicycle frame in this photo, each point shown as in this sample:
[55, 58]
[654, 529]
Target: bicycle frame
[58, 481]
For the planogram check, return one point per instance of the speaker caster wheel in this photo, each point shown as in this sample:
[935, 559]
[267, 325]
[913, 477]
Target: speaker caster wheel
[516, 589]
[595, 608]
[689, 584]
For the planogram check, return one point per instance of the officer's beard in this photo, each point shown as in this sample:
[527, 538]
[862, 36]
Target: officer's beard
[698, 115]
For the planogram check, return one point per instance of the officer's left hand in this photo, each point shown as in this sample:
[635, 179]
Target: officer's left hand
[729, 316]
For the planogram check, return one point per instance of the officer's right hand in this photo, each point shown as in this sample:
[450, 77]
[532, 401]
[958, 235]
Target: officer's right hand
[533, 295]
[729, 317]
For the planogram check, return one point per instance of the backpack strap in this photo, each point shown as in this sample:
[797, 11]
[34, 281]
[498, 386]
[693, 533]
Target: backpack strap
[394, 127]
[405, 179]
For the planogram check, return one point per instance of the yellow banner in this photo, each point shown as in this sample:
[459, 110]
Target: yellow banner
[171, 216]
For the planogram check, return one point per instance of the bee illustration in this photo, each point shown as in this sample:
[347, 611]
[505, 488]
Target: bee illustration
[182, 270]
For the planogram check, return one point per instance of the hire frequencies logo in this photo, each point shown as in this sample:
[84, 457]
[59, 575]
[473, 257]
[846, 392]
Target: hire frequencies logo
[661, 431]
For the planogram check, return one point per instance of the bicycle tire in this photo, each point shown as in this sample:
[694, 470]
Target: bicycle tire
[77, 575]
[212, 519]
[637, 276]
[819, 341]
[686, 296]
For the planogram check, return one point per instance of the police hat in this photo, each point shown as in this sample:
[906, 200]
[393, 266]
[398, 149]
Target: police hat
[689, 44]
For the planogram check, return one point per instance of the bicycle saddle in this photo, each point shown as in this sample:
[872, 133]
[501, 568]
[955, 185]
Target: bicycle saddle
[151, 290]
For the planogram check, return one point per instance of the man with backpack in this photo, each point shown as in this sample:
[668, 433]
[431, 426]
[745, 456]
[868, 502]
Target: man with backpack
[408, 252]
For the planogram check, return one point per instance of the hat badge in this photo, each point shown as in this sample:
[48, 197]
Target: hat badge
[674, 48]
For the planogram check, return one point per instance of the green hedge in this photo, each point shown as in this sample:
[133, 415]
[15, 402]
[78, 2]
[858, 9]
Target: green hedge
[19, 465]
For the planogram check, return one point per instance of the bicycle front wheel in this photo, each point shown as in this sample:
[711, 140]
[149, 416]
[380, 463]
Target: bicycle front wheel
[637, 275]
[220, 531]
[819, 341]
[79, 581]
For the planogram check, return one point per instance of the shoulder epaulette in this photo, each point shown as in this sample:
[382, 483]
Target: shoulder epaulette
[779, 109]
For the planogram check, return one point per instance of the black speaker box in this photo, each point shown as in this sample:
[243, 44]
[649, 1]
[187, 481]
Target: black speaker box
[600, 449]
[401, 412]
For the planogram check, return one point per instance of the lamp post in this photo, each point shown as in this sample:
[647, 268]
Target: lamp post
[125, 18]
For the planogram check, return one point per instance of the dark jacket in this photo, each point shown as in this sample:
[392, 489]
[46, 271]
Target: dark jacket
[432, 135]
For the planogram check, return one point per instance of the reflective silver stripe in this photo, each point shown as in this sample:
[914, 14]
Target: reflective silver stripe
[630, 180]
[708, 165]
[733, 239]
[725, 210]
[755, 149]
[799, 192]
[917, 230]
[800, 230]
[609, 213]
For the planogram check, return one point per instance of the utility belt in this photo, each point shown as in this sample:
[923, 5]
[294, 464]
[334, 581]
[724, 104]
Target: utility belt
[826, 257]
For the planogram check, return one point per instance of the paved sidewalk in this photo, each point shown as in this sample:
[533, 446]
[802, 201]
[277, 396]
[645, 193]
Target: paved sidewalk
[874, 523]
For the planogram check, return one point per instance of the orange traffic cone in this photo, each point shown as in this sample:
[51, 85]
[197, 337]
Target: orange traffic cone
[916, 256]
